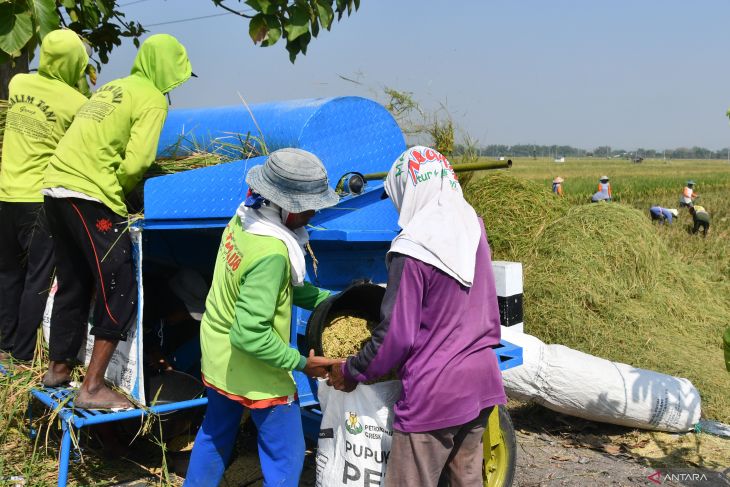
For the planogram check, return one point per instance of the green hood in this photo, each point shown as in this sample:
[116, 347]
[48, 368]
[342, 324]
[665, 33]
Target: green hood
[63, 57]
[163, 60]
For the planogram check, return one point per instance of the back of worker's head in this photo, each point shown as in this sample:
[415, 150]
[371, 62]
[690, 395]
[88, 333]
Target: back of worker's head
[163, 60]
[63, 57]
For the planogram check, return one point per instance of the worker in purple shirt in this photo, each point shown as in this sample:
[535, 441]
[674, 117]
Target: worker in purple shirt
[663, 214]
[439, 322]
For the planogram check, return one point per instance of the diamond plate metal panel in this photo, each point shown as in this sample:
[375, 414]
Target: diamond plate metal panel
[207, 193]
[347, 133]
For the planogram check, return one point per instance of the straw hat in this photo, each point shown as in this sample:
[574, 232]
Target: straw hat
[674, 212]
[603, 178]
[690, 183]
[558, 180]
[294, 179]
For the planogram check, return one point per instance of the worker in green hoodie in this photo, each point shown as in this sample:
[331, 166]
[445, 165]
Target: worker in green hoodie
[104, 154]
[41, 108]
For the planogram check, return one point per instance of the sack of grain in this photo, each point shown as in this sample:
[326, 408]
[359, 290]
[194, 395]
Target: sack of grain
[578, 384]
[356, 434]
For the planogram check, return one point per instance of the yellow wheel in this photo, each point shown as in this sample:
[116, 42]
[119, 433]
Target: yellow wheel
[500, 449]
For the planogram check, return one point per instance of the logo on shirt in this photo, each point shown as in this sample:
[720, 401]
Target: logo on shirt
[32, 104]
[103, 225]
[232, 257]
[352, 423]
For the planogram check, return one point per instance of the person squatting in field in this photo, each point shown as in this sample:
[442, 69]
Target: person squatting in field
[558, 186]
[604, 190]
[662, 215]
[41, 108]
[440, 320]
[103, 156]
[244, 335]
[700, 219]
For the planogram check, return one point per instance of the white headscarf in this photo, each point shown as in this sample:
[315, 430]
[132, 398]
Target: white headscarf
[439, 226]
[269, 220]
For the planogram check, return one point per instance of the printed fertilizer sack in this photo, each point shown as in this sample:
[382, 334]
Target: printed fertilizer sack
[356, 433]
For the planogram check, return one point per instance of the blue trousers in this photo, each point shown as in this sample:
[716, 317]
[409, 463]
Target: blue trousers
[280, 442]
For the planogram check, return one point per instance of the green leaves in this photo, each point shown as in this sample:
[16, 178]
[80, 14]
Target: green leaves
[16, 28]
[265, 29]
[45, 16]
[297, 20]
[325, 13]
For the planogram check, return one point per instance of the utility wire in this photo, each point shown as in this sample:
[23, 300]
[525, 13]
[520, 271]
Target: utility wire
[132, 3]
[187, 20]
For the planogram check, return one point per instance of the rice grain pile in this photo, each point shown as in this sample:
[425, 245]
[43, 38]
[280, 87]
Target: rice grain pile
[345, 334]
[600, 279]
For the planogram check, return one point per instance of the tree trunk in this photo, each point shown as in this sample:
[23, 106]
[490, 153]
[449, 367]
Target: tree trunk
[10, 69]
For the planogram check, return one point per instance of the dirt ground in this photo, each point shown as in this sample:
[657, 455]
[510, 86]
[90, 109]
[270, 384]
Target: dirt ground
[556, 450]
[552, 450]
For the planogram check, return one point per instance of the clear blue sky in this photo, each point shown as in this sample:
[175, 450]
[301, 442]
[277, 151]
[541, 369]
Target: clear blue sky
[625, 73]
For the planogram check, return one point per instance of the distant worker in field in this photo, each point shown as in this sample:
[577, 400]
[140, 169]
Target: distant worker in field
[604, 190]
[558, 186]
[700, 218]
[688, 195]
[662, 215]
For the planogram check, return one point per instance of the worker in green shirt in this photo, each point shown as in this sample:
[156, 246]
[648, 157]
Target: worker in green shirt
[41, 107]
[104, 154]
[700, 219]
[244, 335]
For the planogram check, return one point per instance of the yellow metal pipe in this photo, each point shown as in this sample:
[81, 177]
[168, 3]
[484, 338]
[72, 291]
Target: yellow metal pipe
[474, 166]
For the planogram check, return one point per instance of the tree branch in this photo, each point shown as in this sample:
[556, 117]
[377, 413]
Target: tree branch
[233, 11]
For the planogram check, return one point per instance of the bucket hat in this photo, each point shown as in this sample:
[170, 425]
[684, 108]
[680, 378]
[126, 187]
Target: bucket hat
[690, 183]
[603, 178]
[294, 179]
[674, 212]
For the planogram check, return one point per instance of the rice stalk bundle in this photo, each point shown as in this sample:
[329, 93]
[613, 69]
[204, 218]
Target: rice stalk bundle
[601, 278]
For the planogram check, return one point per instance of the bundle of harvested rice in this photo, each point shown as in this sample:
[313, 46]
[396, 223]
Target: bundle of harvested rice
[600, 278]
[345, 334]
[514, 210]
[602, 281]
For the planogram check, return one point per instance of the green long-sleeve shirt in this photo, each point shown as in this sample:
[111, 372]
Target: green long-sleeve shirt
[41, 108]
[113, 139]
[245, 332]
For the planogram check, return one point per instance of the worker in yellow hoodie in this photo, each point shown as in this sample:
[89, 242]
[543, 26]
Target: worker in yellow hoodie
[41, 108]
[105, 153]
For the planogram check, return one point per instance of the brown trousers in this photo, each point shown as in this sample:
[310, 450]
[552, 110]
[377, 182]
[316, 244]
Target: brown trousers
[420, 459]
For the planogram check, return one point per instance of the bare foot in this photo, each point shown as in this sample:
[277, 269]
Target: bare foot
[58, 373]
[4, 356]
[101, 398]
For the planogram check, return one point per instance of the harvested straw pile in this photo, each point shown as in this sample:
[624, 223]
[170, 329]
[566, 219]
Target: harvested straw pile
[345, 334]
[598, 278]
[515, 211]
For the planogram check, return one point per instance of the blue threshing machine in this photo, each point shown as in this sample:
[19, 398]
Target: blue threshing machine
[184, 213]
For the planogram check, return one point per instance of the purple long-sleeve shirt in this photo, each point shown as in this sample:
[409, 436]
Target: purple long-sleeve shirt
[439, 335]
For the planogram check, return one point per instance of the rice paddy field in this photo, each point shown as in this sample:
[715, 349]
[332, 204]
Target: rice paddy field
[603, 279]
